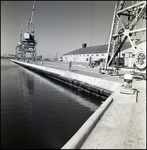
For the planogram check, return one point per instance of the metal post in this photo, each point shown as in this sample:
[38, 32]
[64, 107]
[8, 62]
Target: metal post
[108, 50]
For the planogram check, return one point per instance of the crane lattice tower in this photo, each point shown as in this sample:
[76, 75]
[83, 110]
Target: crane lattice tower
[124, 25]
[27, 42]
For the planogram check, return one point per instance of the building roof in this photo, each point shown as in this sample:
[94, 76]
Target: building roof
[98, 49]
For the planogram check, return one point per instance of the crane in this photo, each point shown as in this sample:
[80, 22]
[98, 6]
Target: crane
[27, 42]
[125, 19]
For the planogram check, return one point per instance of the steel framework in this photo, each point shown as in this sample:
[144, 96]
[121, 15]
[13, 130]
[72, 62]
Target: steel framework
[123, 24]
[27, 42]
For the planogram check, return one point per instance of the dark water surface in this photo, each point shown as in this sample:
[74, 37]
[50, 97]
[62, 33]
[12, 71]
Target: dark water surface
[37, 112]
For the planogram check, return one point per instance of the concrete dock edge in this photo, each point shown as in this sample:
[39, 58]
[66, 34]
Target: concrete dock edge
[80, 136]
[107, 86]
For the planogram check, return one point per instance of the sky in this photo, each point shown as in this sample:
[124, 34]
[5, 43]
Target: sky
[60, 26]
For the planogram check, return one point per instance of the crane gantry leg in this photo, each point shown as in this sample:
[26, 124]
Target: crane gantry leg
[119, 36]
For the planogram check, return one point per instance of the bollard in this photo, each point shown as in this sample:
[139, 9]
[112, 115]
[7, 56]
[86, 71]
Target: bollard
[127, 86]
[128, 78]
[70, 64]
[137, 95]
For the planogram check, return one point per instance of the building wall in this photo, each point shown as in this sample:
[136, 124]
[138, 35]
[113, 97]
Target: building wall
[84, 58]
[129, 57]
[129, 60]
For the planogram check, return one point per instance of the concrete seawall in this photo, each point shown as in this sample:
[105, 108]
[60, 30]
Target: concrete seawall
[80, 136]
[92, 84]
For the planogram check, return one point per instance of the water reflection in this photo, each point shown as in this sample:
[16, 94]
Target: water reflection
[27, 87]
[74, 95]
[27, 83]
[38, 112]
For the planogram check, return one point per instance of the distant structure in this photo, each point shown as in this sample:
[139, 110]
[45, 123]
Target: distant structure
[27, 42]
[9, 56]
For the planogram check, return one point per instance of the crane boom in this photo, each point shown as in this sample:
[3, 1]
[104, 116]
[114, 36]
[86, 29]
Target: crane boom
[31, 21]
[28, 42]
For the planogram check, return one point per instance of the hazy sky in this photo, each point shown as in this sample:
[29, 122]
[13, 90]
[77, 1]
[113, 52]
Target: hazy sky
[60, 26]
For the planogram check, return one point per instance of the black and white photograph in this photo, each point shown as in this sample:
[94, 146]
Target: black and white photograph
[73, 74]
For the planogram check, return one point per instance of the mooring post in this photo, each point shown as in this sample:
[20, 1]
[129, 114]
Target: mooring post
[70, 65]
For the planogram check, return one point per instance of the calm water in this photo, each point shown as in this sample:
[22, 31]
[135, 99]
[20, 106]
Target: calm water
[37, 112]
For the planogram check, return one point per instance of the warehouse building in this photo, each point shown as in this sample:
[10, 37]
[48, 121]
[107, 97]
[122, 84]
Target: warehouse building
[85, 53]
[99, 54]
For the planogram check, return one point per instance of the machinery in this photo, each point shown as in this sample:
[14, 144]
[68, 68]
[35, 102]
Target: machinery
[27, 42]
[124, 25]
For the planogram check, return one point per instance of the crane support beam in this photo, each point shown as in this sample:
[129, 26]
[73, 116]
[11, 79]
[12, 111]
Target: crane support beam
[138, 30]
[138, 16]
[131, 8]
[118, 37]
[114, 28]
[117, 51]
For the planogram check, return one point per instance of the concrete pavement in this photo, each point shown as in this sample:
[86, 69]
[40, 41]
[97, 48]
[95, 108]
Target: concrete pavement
[109, 133]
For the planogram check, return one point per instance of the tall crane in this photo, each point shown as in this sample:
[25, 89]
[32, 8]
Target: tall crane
[118, 36]
[27, 42]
